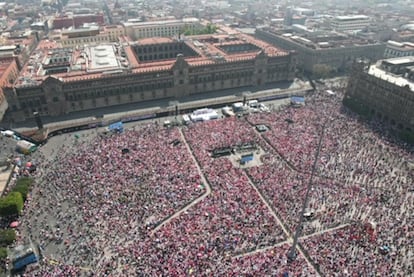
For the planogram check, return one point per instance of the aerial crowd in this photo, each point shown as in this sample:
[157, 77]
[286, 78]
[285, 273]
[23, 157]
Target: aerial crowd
[152, 201]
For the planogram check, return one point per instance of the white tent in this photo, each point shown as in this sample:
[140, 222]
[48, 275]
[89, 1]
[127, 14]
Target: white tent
[25, 147]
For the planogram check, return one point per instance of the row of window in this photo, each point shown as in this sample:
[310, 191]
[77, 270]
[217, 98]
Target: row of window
[29, 112]
[160, 56]
[161, 28]
[79, 104]
[220, 76]
[118, 91]
[195, 78]
[390, 53]
[85, 40]
[159, 48]
[33, 102]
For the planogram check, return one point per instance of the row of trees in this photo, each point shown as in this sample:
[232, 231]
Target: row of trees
[11, 205]
[209, 29]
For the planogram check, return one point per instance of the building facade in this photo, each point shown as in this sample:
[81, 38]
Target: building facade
[149, 69]
[9, 72]
[77, 21]
[164, 28]
[347, 23]
[396, 49]
[334, 50]
[384, 90]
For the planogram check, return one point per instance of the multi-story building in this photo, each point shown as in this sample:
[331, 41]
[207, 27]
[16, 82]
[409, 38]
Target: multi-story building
[18, 45]
[114, 32]
[90, 35]
[164, 28]
[347, 23]
[384, 90]
[8, 74]
[398, 49]
[77, 20]
[59, 81]
[332, 49]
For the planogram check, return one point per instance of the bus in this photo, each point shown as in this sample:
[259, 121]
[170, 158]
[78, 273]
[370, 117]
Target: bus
[23, 257]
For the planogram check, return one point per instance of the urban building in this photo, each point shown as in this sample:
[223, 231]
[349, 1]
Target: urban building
[89, 35]
[77, 20]
[335, 50]
[18, 45]
[59, 81]
[346, 23]
[8, 74]
[398, 49]
[404, 33]
[384, 90]
[164, 28]
[113, 31]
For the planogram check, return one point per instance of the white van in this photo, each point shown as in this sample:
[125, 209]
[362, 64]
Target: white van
[253, 104]
[237, 107]
[186, 119]
[227, 111]
[167, 123]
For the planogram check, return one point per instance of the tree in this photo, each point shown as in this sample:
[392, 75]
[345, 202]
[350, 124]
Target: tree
[209, 29]
[12, 204]
[3, 253]
[23, 186]
[7, 237]
[25, 180]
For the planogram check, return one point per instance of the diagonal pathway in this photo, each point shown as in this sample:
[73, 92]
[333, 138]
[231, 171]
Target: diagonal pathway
[258, 250]
[272, 212]
[325, 231]
[285, 230]
[194, 202]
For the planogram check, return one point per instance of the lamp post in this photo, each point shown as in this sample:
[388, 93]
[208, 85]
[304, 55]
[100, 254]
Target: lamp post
[292, 251]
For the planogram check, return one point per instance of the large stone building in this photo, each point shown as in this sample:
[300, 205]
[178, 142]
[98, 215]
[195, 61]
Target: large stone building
[384, 90]
[59, 81]
[162, 28]
[88, 35]
[338, 51]
[396, 49]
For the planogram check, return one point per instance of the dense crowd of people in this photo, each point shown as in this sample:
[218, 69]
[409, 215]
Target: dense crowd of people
[122, 204]
[360, 176]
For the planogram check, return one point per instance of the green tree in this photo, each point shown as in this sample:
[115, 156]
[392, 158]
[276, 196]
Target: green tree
[7, 237]
[12, 204]
[3, 253]
[25, 180]
[23, 186]
[209, 29]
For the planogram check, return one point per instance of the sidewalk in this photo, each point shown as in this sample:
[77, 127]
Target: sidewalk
[4, 177]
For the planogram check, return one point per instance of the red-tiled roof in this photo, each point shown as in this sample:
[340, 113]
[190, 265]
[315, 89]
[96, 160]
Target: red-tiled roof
[208, 50]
